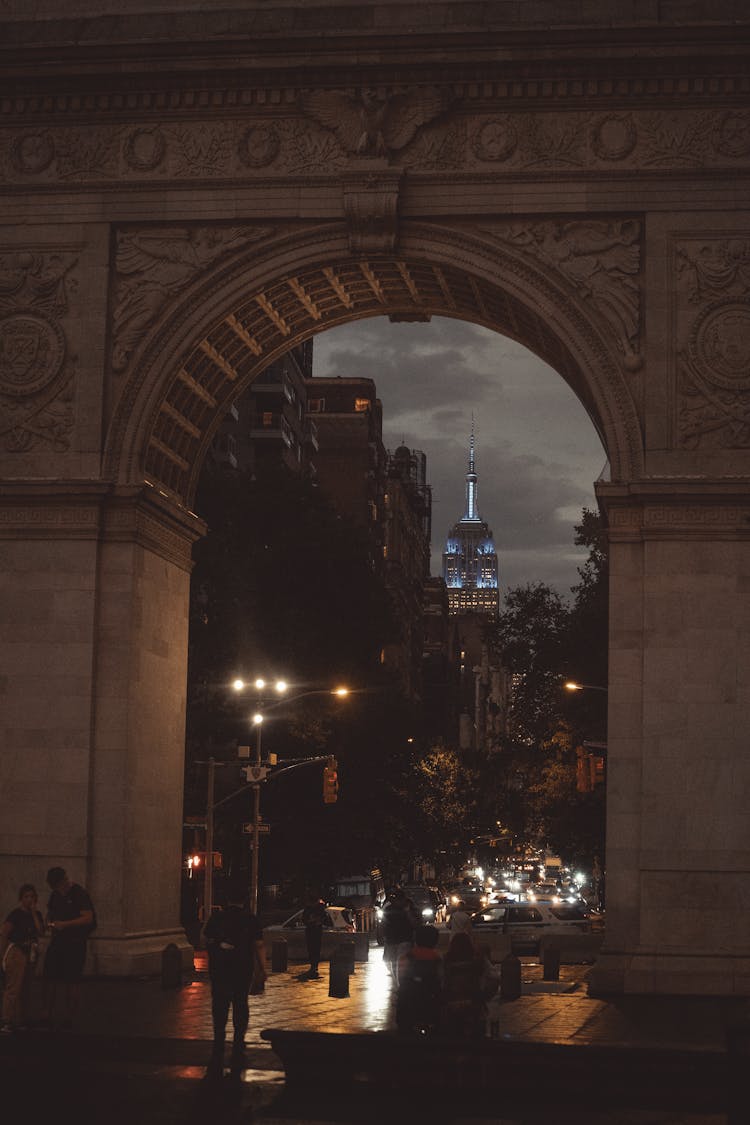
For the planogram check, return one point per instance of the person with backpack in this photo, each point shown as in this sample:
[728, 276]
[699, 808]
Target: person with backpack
[71, 918]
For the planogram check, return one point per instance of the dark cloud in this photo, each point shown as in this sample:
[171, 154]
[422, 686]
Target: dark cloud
[537, 452]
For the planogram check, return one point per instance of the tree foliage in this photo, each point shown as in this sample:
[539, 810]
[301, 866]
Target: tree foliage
[543, 641]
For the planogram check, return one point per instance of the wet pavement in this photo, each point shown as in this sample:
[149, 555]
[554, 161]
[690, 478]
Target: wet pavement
[137, 1054]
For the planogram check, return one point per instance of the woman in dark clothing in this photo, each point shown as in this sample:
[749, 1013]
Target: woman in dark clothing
[20, 936]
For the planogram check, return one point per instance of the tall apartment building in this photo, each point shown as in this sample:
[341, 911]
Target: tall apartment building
[268, 425]
[385, 494]
[407, 507]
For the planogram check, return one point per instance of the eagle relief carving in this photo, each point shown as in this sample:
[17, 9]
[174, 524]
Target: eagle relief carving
[370, 125]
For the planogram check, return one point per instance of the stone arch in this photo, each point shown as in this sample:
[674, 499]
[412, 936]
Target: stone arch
[252, 305]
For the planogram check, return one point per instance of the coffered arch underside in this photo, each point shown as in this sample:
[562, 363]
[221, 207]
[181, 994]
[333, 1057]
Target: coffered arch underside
[197, 359]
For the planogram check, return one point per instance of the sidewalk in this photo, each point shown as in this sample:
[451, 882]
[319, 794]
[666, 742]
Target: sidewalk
[137, 1054]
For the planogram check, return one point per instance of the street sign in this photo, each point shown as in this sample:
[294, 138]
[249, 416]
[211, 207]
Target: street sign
[255, 773]
[263, 829]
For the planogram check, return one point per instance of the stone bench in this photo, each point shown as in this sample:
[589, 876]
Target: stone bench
[316, 1063]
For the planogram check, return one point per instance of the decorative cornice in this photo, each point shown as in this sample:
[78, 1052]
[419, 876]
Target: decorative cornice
[100, 512]
[673, 508]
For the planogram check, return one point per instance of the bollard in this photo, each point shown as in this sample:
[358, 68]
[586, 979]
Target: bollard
[338, 979]
[551, 962]
[279, 955]
[171, 966]
[346, 951]
[510, 977]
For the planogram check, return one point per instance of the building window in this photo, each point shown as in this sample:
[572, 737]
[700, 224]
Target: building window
[267, 419]
[361, 405]
[316, 405]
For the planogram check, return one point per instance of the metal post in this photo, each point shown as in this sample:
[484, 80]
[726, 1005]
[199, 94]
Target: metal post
[208, 882]
[256, 834]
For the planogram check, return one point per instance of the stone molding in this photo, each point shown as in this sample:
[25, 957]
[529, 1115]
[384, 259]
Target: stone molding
[282, 141]
[676, 509]
[97, 511]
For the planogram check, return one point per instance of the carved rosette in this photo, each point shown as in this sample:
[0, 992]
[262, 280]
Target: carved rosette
[325, 131]
[36, 372]
[713, 346]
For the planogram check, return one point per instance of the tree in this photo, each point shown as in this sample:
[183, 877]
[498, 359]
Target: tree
[530, 639]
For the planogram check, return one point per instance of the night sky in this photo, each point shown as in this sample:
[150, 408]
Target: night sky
[537, 453]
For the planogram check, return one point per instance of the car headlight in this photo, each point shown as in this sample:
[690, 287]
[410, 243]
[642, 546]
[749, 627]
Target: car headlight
[455, 900]
[427, 912]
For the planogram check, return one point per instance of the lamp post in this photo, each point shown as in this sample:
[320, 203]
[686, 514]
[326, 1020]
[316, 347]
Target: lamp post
[280, 686]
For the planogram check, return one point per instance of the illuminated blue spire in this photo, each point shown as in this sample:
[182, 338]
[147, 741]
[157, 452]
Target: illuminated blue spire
[470, 566]
[471, 512]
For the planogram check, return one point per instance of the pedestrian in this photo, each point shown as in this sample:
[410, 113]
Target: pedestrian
[399, 923]
[420, 984]
[313, 918]
[460, 921]
[71, 918]
[470, 981]
[19, 942]
[236, 967]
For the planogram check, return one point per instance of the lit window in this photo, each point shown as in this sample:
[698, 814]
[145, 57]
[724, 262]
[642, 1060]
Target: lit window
[267, 419]
[361, 405]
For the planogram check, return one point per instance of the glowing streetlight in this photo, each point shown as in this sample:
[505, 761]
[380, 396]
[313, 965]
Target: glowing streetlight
[573, 685]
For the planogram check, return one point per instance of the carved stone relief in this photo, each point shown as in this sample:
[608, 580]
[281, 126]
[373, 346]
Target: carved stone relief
[601, 261]
[153, 264]
[36, 372]
[325, 131]
[712, 320]
[371, 209]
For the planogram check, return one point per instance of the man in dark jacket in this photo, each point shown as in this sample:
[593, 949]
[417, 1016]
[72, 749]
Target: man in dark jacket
[314, 918]
[236, 959]
[70, 918]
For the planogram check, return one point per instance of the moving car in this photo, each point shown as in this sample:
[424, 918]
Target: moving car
[427, 902]
[338, 926]
[528, 922]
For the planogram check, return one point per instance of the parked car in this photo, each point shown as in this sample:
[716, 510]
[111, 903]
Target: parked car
[528, 922]
[338, 926]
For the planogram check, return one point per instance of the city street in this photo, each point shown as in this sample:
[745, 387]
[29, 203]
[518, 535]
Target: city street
[138, 1052]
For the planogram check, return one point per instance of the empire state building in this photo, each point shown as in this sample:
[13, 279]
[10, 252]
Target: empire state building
[470, 558]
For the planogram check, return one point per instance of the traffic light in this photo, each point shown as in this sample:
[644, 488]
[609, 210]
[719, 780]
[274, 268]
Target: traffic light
[330, 781]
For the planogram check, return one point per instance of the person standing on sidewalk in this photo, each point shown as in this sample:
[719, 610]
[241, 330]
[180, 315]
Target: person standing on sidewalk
[236, 961]
[71, 918]
[399, 923]
[19, 948]
[313, 918]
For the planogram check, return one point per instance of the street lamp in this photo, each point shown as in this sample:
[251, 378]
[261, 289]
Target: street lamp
[280, 687]
[573, 685]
